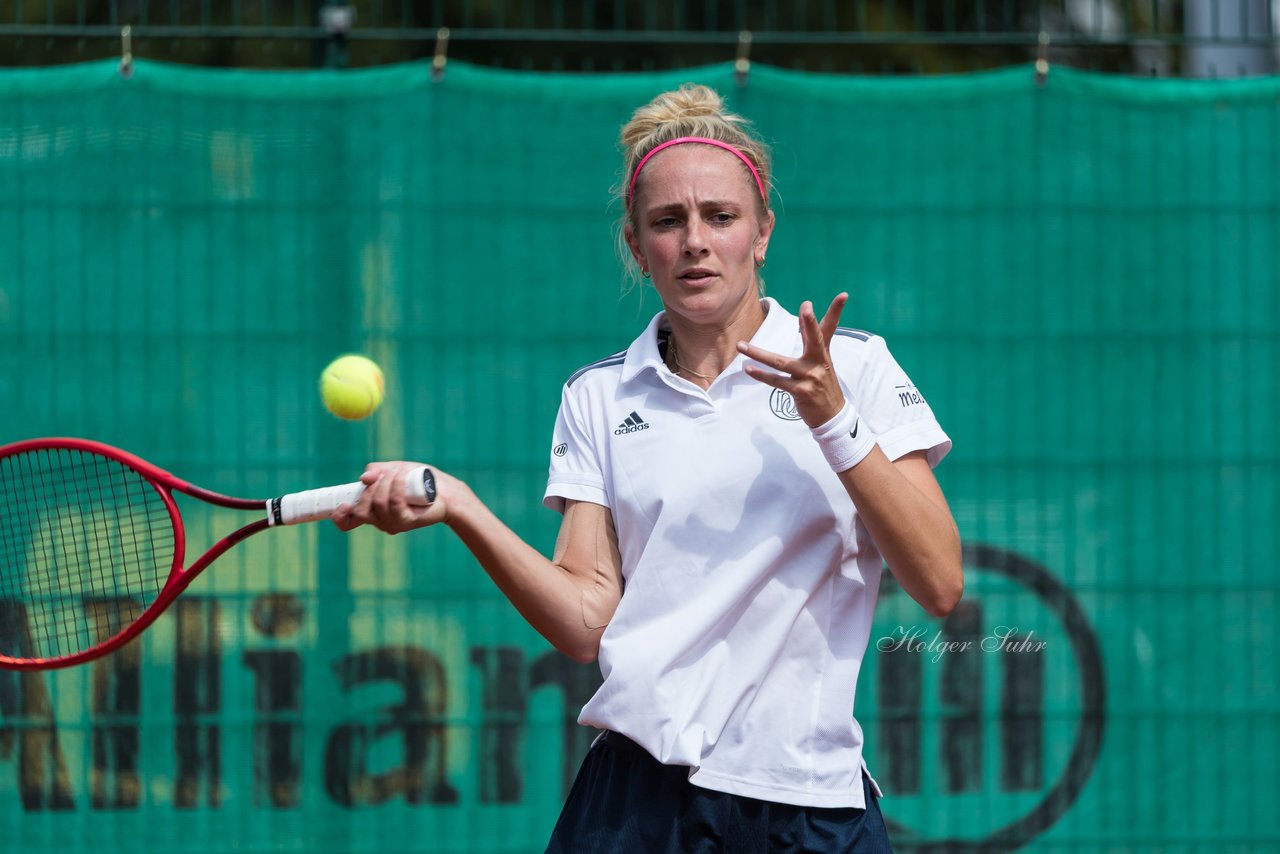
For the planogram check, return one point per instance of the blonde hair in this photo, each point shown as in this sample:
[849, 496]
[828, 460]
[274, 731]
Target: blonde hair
[691, 110]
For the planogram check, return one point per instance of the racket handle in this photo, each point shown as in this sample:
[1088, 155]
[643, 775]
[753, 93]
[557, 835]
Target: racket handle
[313, 505]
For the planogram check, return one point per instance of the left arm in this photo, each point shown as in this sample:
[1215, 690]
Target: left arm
[900, 502]
[907, 515]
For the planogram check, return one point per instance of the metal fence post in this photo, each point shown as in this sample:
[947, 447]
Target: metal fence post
[336, 18]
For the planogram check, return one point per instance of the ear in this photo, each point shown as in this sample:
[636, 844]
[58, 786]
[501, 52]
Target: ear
[633, 243]
[762, 237]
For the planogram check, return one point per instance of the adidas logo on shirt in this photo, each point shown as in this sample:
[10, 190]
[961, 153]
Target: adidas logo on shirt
[633, 424]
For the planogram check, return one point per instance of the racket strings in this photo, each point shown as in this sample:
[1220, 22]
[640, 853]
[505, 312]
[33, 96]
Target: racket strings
[86, 544]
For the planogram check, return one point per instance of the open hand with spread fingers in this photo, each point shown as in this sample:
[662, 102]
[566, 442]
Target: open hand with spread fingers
[809, 378]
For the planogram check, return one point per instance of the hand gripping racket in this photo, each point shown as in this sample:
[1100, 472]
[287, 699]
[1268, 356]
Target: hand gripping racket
[92, 545]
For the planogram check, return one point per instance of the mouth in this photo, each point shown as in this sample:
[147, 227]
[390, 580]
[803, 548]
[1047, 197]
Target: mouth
[696, 276]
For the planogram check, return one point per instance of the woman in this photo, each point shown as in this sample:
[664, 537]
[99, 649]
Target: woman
[740, 472]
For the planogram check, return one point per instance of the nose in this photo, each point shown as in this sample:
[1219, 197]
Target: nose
[695, 237]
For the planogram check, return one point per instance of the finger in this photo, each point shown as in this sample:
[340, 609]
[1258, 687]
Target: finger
[811, 334]
[373, 471]
[343, 518]
[769, 378]
[831, 320]
[381, 493]
[765, 357]
[366, 508]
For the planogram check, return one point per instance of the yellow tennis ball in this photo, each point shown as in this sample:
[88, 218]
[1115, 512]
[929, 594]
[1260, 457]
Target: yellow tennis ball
[351, 387]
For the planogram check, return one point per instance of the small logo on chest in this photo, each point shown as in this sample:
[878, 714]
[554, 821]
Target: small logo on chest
[632, 424]
[783, 405]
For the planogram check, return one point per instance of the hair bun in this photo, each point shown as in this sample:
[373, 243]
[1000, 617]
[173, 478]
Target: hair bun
[692, 101]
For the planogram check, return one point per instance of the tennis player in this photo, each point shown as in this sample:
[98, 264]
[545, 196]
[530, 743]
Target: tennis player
[729, 484]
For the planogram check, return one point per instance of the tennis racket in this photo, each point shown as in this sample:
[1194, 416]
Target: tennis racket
[92, 545]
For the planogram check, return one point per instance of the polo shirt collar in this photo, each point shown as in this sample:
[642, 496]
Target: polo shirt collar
[779, 333]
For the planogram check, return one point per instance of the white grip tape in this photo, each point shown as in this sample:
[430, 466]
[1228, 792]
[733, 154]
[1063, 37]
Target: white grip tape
[313, 505]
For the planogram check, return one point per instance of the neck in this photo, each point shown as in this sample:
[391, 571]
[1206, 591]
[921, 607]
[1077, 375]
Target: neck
[701, 352]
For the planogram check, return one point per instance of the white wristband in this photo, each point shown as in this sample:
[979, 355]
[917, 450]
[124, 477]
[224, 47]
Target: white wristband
[845, 440]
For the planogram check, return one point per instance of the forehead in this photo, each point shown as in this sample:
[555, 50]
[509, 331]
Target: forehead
[703, 170]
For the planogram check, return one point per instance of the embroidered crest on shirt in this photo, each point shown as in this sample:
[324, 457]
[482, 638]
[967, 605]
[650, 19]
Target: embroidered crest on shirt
[783, 405]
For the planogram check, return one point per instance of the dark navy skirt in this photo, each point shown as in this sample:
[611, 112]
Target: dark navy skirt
[625, 801]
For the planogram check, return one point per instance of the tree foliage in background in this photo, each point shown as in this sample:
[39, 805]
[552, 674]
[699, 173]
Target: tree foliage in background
[866, 36]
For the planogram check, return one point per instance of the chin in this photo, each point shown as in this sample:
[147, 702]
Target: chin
[700, 307]
[710, 304]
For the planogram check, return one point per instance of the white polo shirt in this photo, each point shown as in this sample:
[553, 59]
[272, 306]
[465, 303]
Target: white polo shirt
[749, 580]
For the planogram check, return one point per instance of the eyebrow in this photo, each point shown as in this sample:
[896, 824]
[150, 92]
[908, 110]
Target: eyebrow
[716, 204]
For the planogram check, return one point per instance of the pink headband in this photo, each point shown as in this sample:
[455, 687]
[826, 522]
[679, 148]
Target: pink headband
[631, 192]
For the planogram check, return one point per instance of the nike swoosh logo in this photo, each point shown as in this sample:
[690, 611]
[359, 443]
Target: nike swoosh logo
[853, 434]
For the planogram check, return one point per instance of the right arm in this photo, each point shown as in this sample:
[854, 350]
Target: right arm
[568, 599]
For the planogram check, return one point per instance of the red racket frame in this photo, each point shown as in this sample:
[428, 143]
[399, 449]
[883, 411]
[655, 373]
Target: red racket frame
[179, 577]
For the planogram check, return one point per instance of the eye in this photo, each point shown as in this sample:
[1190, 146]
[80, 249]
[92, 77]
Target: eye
[666, 222]
[722, 218]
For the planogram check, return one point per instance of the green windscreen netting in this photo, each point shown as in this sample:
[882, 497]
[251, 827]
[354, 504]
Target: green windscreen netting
[1081, 276]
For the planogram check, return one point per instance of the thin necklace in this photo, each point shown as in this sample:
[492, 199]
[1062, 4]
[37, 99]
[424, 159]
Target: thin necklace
[675, 360]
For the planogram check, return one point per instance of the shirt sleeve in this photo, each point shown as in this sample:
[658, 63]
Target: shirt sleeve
[576, 472]
[895, 409]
